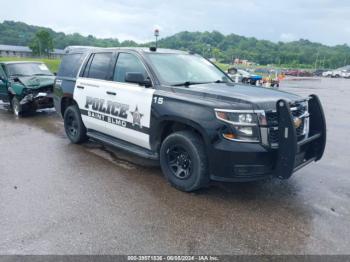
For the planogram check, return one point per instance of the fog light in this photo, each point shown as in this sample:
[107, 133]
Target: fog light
[245, 130]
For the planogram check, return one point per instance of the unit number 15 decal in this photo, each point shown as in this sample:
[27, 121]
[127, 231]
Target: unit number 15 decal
[158, 100]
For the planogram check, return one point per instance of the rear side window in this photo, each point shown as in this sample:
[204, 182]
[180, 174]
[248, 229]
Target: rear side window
[99, 66]
[70, 65]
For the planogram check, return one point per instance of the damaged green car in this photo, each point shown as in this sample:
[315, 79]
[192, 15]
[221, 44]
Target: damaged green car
[27, 86]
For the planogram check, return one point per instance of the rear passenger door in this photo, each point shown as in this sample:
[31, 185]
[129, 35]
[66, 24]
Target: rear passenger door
[90, 90]
[110, 105]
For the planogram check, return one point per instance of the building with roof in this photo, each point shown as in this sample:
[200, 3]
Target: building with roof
[25, 51]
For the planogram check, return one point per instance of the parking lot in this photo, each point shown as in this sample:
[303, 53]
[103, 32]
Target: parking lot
[60, 198]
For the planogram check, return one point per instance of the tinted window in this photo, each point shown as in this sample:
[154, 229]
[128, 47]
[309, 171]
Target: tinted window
[70, 65]
[100, 66]
[127, 63]
[85, 72]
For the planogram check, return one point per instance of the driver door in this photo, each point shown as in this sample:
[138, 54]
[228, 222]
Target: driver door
[136, 99]
[3, 85]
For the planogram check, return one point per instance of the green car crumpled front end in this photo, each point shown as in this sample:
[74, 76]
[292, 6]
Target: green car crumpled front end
[34, 92]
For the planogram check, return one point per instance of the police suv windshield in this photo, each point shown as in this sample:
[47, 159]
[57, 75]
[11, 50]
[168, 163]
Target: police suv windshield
[28, 69]
[185, 69]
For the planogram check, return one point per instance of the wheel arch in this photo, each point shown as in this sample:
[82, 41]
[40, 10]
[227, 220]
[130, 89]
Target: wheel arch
[67, 101]
[168, 125]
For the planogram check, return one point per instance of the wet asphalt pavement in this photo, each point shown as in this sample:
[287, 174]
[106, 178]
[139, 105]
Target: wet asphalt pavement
[60, 198]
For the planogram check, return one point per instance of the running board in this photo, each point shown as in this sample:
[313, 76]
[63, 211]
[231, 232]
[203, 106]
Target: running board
[114, 142]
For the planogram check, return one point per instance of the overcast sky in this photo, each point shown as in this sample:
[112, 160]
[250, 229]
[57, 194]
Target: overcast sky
[323, 21]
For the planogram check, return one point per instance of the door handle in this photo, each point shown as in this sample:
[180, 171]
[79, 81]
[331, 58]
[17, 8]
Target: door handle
[81, 87]
[111, 93]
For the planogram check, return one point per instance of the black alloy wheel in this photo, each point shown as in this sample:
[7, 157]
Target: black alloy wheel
[183, 160]
[179, 162]
[73, 125]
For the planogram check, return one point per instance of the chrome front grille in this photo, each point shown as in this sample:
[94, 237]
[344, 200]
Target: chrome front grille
[298, 110]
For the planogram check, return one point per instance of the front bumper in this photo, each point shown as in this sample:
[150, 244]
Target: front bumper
[239, 162]
[40, 100]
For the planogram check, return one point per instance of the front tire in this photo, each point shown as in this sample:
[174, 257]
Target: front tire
[74, 126]
[16, 107]
[184, 162]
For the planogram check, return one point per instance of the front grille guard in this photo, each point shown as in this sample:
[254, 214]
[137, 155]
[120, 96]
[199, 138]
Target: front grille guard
[291, 154]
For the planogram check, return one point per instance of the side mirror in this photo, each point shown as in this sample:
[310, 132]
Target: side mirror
[138, 78]
[55, 73]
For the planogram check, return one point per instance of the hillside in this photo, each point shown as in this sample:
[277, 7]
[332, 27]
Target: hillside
[18, 33]
[302, 53]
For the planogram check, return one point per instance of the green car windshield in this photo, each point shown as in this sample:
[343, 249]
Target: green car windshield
[185, 69]
[28, 69]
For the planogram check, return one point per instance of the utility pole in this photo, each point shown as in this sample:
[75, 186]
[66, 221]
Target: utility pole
[324, 60]
[209, 50]
[318, 52]
[39, 41]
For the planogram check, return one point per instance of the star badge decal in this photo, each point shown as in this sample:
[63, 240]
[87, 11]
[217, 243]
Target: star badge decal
[136, 117]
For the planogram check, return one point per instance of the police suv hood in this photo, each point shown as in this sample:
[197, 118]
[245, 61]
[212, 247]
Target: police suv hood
[260, 97]
[35, 82]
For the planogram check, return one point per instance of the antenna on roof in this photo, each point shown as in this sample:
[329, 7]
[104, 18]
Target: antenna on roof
[156, 34]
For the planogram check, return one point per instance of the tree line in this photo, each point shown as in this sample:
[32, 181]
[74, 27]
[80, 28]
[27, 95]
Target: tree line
[301, 53]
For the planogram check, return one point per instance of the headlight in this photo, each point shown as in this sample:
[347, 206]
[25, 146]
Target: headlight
[244, 125]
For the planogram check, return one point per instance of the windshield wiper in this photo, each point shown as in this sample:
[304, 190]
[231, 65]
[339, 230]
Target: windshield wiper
[220, 81]
[189, 83]
[14, 75]
[42, 75]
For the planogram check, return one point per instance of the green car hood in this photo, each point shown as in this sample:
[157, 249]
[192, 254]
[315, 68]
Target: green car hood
[35, 82]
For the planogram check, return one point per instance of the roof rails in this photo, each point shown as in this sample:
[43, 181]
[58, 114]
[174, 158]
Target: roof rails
[78, 48]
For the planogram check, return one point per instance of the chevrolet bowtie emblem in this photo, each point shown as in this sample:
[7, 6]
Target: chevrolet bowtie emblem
[297, 122]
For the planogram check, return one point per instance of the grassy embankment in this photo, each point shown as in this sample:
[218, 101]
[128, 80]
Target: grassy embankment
[52, 64]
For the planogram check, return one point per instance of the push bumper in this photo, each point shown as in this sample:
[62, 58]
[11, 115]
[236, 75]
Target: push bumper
[293, 155]
[240, 162]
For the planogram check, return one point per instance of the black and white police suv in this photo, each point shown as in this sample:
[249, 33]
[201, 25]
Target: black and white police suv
[180, 109]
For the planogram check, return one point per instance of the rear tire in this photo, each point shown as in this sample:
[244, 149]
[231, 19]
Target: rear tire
[184, 162]
[74, 126]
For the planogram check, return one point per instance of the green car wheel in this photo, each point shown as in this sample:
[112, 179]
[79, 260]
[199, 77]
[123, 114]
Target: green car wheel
[16, 107]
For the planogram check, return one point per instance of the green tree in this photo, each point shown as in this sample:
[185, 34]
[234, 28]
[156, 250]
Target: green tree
[218, 55]
[42, 43]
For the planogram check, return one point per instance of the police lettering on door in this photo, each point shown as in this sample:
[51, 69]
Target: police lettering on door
[112, 112]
